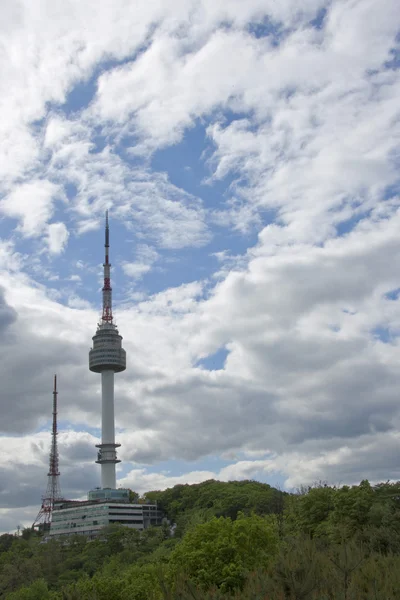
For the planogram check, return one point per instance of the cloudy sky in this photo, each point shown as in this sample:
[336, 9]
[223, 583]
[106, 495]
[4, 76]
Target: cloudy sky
[249, 154]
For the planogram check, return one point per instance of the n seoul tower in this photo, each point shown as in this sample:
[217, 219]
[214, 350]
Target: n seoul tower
[107, 357]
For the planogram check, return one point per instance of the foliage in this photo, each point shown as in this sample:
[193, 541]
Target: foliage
[6, 541]
[221, 551]
[309, 513]
[233, 541]
[219, 499]
[378, 577]
[134, 497]
[36, 591]
[352, 508]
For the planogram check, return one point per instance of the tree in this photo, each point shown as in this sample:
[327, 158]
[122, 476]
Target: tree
[308, 513]
[346, 558]
[298, 568]
[351, 510]
[134, 497]
[378, 577]
[224, 499]
[6, 541]
[36, 591]
[221, 551]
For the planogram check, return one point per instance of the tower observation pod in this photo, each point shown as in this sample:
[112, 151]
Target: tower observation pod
[107, 357]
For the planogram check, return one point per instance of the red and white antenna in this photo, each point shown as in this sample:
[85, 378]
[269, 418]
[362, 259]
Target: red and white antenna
[107, 316]
[53, 491]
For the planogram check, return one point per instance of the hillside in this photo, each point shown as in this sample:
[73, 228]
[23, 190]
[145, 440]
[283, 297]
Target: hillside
[242, 540]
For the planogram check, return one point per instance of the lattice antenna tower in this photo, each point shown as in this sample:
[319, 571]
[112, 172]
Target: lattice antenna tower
[53, 491]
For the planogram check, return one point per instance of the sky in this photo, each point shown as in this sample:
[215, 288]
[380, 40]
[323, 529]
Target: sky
[248, 153]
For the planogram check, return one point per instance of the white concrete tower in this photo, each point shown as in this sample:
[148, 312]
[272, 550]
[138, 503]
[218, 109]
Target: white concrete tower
[107, 357]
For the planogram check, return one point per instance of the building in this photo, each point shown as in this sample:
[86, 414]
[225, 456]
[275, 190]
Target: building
[88, 518]
[105, 505]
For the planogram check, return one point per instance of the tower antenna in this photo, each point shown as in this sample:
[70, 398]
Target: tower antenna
[107, 316]
[53, 491]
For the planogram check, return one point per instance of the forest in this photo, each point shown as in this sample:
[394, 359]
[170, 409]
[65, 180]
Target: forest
[236, 540]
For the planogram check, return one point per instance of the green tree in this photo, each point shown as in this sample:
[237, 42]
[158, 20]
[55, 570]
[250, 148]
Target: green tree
[377, 578]
[346, 558]
[221, 551]
[298, 569]
[6, 541]
[141, 583]
[134, 497]
[352, 507]
[308, 513]
[36, 591]
[218, 498]
[18, 566]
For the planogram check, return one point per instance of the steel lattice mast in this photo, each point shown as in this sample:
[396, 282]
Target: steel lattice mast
[53, 491]
[107, 357]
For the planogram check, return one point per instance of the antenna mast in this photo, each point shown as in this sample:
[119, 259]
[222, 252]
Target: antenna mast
[53, 491]
[107, 316]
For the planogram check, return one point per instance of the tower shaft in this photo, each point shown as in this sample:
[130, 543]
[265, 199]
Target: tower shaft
[107, 357]
[107, 407]
[108, 455]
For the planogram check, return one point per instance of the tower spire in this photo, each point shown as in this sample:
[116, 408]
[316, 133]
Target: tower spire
[53, 491]
[107, 316]
[107, 232]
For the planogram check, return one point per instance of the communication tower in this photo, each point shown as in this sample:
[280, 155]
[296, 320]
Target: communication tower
[107, 357]
[53, 491]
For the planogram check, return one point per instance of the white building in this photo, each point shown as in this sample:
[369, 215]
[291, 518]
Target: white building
[87, 518]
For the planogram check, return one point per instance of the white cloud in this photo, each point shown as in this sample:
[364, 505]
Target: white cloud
[60, 131]
[142, 481]
[57, 237]
[10, 260]
[32, 204]
[148, 203]
[347, 465]
[46, 52]
[24, 465]
[187, 85]
[146, 257]
[74, 301]
[135, 270]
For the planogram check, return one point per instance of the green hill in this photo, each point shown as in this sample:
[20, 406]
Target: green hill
[235, 540]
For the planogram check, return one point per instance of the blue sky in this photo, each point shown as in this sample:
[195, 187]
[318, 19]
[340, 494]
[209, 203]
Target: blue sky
[247, 153]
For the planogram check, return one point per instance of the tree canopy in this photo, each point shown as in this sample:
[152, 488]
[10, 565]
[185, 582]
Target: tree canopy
[235, 540]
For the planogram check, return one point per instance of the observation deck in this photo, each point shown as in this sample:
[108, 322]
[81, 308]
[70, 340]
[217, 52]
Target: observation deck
[107, 353]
